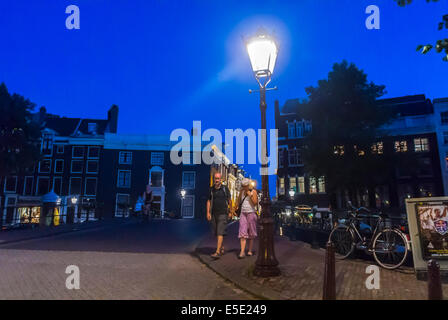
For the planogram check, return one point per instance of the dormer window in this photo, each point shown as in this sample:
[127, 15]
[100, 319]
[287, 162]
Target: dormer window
[47, 144]
[92, 127]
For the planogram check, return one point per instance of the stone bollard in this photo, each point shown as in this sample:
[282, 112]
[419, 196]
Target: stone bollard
[434, 282]
[329, 292]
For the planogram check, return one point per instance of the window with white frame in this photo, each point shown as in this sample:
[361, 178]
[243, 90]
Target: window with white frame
[10, 184]
[301, 183]
[78, 152]
[188, 179]
[421, 145]
[291, 130]
[292, 183]
[299, 129]
[125, 157]
[75, 185]
[28, 186]
[45, 166]
[321, 184]
[281, 185]
[444, 117]
[157, 158]
[308, 127]
[59, 166]
[90, 188]
[93, 152]
[57, 185]
[378, 148]
[59, 148]
[47, 144]
[92, 166]
[294, 157]
[122, 203]
[445, 137]
[77, 166]
[401, 146]
[124, 179]
[281, 157]
[313, 185]
[92, 127]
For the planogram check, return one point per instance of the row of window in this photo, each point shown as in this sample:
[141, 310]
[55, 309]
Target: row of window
[156, 178]
[298, 129]
[77, 166]
[77, 151]
[125, 157]
[420, 145]
[315, 185]
[42, 186]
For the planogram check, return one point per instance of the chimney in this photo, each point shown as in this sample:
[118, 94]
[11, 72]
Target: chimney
[112, 118]
[42, 114]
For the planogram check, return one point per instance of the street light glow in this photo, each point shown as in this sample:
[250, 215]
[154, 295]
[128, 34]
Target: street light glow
[262, 51]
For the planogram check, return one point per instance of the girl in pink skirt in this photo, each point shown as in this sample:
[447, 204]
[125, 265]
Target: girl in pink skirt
[248, 201]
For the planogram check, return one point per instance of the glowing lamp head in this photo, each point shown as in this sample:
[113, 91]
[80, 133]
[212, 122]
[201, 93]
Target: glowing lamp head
[292, 193]
[183, 192]
[262, 50]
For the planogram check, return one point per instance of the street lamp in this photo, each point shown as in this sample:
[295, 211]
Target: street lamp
[292, 193]
[262, 50]
[183, 192]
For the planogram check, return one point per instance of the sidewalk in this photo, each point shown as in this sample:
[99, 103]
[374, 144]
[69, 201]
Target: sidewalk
[37, 232]
[302, 271]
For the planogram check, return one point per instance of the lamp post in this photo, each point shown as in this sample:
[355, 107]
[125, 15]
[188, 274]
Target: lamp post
[262, 50]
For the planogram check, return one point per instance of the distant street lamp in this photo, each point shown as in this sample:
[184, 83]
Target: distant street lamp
[292, 193]
[262, 50]
[183, 192]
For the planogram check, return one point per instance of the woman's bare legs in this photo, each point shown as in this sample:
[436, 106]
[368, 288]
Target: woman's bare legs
[243, 247]
[251, 244]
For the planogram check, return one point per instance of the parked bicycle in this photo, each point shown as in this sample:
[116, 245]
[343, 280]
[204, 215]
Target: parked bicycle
[388, 245]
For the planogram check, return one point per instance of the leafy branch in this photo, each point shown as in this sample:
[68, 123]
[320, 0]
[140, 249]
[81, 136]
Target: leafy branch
[441, 45]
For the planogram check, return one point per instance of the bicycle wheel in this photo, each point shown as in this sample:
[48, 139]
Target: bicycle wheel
[344, 242]
[390, 248]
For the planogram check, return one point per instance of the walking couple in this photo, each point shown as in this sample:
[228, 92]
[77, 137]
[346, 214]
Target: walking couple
[219, 211]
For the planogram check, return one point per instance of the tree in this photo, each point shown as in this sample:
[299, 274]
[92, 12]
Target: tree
[19, 134]
[440, 45]
[343, 144]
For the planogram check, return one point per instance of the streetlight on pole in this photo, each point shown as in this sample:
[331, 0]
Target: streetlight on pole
[262, 50]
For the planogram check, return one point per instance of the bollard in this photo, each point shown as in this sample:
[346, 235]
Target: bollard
[329, 292]
[434, 282]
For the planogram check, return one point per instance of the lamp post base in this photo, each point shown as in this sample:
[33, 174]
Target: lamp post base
[266, 264]
[266, 271]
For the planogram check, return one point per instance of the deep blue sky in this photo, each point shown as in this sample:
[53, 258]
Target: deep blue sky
[169, 62]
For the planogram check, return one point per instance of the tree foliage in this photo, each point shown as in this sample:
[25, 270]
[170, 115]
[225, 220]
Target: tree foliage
[440, 45]
[19, 134]
[345, 119]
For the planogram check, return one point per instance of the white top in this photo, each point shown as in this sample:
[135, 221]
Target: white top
[246, 206]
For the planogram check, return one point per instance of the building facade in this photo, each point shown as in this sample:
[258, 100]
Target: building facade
[71, 150]
[415, 136]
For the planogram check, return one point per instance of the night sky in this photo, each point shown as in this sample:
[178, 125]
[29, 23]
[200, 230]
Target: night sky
[166, 63]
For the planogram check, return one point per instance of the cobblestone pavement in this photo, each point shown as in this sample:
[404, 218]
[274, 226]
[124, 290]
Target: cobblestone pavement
[302, 271]
[151, 261]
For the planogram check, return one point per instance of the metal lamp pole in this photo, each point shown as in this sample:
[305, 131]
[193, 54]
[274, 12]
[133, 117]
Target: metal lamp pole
[262, 50]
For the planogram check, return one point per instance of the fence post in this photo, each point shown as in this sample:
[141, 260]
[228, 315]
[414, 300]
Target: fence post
[434, 282]
[329, 292]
